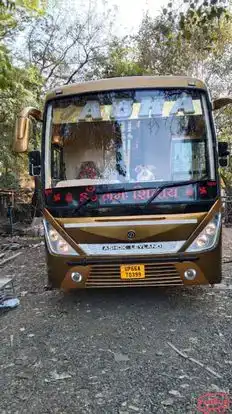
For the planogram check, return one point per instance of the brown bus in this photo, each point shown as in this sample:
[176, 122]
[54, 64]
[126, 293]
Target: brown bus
[131, 189]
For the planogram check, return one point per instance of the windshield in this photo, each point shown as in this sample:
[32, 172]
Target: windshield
[128, 137]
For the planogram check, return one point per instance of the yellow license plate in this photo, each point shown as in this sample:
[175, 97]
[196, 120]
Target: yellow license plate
[132, 271]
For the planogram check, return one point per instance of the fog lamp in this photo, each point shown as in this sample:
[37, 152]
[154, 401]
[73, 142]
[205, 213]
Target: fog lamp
[190, 274]
[76, 277]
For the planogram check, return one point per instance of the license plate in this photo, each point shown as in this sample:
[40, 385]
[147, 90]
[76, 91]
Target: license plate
[132, 271]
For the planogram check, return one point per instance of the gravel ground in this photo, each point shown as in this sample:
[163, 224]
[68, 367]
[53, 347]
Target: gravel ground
[108, 351]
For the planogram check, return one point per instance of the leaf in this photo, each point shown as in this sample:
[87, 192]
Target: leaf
[187, 34]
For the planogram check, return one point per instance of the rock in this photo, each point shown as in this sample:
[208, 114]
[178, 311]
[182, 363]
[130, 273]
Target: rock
[193, 340]
[174, 393]
[159, 353]
[184, 386]
[186, 350]
[120, 357]
[25, 375]
[133, 408]
[168, 402]
[57, 377]
[214, 387]
[15, 246]
[99, 395]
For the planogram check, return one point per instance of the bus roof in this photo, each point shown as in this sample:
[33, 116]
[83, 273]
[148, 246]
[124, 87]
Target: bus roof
[132, 82]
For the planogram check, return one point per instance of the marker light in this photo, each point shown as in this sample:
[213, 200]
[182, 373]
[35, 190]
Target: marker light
[56, 242]
[208, 237]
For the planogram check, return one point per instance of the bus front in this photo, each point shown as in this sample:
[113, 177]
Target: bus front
[131, 185]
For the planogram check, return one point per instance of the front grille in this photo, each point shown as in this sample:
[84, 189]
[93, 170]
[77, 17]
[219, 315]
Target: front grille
[156, 274]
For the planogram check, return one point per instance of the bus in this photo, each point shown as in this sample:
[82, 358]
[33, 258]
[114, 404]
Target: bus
[129, 171]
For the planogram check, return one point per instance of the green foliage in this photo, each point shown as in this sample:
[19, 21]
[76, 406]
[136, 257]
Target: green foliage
[224, 129]
[121, 61]
[21, 90]
[194, 39]
[181, 41]
[35, 5]
[13, 13]
[18, 87]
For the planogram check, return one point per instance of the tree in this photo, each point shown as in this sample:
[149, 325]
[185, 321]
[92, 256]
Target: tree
[120, 60]
[182, 41]
[194, 39]
[18, 87]
[22, 88]
[188, 40]
[66, 49]
[224, 131]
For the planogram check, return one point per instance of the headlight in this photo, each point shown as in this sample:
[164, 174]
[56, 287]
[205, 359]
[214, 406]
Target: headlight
[207, 239]
[56, 242]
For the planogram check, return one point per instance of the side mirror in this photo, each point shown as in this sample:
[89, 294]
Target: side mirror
[22, 132]
[22, 128]
[223, 149]
[223, 162]
[221, 103]
[223, 154]
[34, 163]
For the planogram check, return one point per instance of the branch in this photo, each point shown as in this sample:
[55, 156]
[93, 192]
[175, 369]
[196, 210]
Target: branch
[62, 57]
[78, 69]
[47, 45]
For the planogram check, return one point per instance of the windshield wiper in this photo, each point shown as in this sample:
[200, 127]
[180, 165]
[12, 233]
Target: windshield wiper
[149, 201]
[100, 192]
[164, 186]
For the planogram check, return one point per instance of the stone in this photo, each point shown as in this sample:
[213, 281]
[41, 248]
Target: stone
[159, 353]
[184, 386]
[175, 393]
[120, 357]
[133, 408]
[168, 402]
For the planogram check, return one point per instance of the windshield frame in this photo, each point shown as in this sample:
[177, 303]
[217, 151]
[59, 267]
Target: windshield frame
[207, 111]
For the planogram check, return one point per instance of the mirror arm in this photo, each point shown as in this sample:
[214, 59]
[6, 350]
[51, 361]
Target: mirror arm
[31, 112]
[221, 102]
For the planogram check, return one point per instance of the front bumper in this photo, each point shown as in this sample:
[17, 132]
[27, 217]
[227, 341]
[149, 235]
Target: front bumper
[99, 272]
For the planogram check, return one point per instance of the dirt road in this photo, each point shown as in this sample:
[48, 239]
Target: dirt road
[112, 351]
